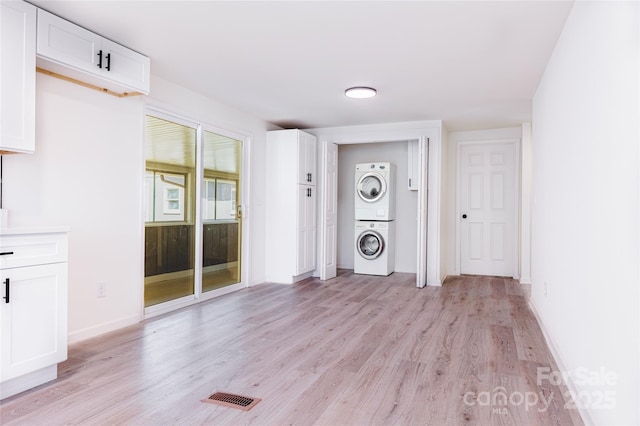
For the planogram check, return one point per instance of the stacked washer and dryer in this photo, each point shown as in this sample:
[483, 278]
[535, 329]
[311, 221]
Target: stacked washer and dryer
[375, 214]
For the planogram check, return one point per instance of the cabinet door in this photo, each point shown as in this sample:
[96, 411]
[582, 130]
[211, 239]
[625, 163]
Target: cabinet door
[310, 158]
[126, 66]
[34, 322]
[17, 76]
[306, 229]
[310, 238]
[306, 159]
[66, 43]
[413, 169]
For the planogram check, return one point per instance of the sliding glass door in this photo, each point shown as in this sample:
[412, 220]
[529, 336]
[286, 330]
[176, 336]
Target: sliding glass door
[192, 242]
[221, 224]
[169, 210]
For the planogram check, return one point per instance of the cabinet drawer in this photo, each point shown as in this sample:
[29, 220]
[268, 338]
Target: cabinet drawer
[36, 249]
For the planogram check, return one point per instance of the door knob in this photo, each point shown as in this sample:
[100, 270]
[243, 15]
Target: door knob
[464, 216]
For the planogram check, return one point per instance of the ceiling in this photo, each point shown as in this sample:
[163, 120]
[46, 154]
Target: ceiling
[472, 64]
[167, 142]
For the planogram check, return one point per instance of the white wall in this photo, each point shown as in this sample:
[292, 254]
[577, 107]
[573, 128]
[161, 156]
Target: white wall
[406, 201]
[87, 173]
[585, 235]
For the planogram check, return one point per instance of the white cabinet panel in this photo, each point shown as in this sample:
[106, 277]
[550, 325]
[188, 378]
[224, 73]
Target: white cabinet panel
[68, 43]
[126, 66]
[17, 76]
[34, 320]
[413, 165]
[68, 49]
[33, 309]
[26, 250]
[306, 159]
[306, 229]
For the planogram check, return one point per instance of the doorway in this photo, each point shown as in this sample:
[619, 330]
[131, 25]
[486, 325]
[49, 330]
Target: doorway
[487, 208]
[193, 223]
[406, 201]
[428, 135]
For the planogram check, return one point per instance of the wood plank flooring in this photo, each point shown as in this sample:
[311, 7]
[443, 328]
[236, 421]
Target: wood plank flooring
[355, 350]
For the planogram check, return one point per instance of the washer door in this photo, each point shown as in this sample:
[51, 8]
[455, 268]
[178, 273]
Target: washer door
[370, 244]
[371, 187]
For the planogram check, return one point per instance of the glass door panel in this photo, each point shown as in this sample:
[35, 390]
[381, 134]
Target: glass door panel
[170, 150]
[221, 223]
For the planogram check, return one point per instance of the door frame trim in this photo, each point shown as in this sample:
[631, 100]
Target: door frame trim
[517, 212]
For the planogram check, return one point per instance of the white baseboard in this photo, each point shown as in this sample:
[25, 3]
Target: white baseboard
[553, 347]
[30, 380]
[526, 287]
[97, 330]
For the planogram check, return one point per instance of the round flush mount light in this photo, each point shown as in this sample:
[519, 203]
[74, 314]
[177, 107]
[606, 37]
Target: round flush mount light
[360, 92]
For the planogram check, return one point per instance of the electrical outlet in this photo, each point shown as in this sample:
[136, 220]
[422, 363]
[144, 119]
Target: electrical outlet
[102, 290]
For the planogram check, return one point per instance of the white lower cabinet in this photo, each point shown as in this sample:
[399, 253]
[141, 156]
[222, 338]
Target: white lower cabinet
[33, 309]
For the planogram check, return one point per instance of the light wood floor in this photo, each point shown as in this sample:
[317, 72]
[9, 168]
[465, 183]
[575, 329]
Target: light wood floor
[352, 350]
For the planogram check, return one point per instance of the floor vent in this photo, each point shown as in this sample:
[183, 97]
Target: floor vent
[241, 402]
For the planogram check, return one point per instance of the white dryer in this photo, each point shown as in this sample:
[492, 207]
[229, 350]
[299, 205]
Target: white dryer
[374, 248]
[375, 191]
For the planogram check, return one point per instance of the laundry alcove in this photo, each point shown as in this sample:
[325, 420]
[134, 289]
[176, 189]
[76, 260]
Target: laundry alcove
[406, 201]
[428, 134]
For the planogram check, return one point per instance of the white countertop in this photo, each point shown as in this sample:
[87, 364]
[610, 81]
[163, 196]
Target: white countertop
[21, 230]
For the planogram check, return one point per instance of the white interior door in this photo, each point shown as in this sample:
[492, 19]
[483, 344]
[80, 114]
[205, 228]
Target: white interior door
[423, 167]
[328, 251]
[488, 209]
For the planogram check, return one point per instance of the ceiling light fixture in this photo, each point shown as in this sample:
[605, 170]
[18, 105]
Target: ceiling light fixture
[360, 92]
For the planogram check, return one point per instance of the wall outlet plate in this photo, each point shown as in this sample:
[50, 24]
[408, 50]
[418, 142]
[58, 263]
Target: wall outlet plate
[101, 290]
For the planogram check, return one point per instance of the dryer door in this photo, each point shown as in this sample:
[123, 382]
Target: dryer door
[370, 244]
[371, 187]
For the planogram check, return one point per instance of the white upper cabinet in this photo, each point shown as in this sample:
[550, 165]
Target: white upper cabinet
[17, 76]
[126, 66]
[65, 48]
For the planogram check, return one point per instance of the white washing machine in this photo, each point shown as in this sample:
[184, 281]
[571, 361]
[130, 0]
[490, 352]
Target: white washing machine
[374, 248]
[375, 191]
